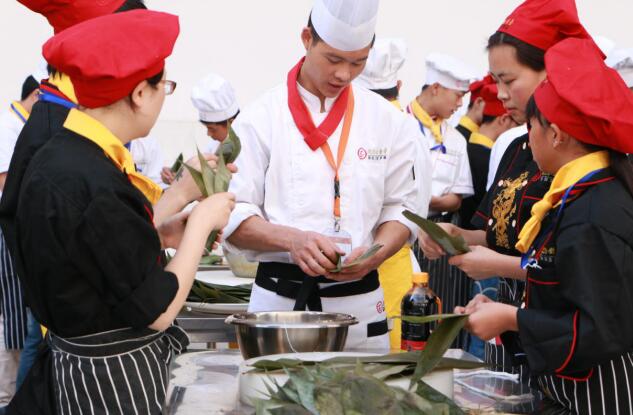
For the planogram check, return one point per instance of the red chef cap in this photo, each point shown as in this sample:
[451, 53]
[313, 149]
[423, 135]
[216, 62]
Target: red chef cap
[586, 98]
[487, 90]
[62, 14]
[544, 23]
[107, 57]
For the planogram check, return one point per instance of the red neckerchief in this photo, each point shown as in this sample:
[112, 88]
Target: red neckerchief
[314, 136]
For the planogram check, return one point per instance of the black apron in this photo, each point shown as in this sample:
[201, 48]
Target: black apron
[122, 371]
[11, 301]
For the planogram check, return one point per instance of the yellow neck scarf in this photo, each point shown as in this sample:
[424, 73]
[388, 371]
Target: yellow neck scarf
[469, 124]
[567, 176]
[476, 138]
[396, 104]
[19, 111]
[427, 121]
[64, 84]
[86, 126]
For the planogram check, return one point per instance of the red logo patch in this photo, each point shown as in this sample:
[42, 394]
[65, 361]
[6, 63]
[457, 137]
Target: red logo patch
[380, 307]
[362, 153]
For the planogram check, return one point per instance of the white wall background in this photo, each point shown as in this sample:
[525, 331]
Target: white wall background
[253, 43]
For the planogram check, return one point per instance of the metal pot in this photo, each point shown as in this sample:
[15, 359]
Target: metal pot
[265, 333]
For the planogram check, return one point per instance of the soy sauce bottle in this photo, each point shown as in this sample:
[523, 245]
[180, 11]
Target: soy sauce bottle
[419, 301]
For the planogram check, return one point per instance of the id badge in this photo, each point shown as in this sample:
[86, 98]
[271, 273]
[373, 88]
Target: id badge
[341, 238]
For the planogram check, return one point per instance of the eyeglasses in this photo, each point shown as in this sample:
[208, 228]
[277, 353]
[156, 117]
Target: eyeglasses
[170, 86]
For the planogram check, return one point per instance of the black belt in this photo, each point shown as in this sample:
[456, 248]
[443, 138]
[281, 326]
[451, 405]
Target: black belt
[293, 283]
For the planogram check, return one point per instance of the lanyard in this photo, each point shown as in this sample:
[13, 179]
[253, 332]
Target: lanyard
[441, 147]
[336, 165]
[54, 97]
[529, 258]
[18, 113]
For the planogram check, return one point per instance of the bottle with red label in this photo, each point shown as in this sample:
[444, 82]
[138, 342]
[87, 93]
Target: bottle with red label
[419, 301]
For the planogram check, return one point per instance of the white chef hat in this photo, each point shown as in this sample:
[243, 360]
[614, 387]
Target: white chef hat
[346, 25]
[622, 61]
[214, 98]
[385, 59]
[449, 72]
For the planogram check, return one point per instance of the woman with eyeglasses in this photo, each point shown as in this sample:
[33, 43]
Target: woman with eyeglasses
[85, 222]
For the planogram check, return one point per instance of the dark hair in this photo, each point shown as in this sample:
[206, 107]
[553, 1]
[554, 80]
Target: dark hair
[131, 5]
[154, 80]
[224, 123]
[620, 163]
[388, 93]
[316, 38]
[487, 119]
[527, 55]
[30, 84]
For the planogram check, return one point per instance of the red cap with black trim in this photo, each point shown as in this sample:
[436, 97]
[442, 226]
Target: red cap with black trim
[586, 98]
[544, 23]
[486, 89]
[108, 56]
[62, 14]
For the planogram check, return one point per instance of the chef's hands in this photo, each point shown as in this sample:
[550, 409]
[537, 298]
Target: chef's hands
[429, 247]
[313, 252]
[488, 319]
[358, 271]
[213, 212]
[480, 263]
[167, 176]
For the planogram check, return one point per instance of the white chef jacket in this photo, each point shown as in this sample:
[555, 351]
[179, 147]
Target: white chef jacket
[451, 171]
[499, 148]
[148, 158]
[283, 181]
[10, 127]
[423, 172]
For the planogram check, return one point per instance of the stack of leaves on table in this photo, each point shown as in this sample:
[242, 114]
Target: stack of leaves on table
[204, 292]
[356, 385]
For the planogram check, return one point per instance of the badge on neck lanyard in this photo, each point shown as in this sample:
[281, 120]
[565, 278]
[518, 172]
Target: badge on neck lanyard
[339, 236]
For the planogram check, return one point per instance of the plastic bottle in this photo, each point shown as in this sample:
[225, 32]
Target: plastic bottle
[419, 301]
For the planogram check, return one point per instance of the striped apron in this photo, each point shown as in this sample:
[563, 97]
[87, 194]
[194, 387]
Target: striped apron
[120, 372]
[12, 301]
[449, 283]
[607, 391]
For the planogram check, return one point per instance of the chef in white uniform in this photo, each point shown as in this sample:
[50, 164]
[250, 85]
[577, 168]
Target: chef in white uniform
[307, 193]
[214, 98]
[447, 81]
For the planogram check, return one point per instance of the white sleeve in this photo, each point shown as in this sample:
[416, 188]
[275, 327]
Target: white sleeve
[423, 174]
[400, 188]
[249, 182]
[499, 149]
[463, 181]
[154, 161]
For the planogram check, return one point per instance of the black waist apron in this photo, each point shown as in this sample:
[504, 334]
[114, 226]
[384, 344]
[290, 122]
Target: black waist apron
[120, 372]
[288, 280]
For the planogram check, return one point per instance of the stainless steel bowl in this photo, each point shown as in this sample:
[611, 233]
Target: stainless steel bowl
[260, 334]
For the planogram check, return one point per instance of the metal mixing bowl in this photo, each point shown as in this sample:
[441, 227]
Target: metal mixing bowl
[260, 334]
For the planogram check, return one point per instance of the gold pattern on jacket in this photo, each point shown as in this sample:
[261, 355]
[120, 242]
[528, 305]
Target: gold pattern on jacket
[504, 208]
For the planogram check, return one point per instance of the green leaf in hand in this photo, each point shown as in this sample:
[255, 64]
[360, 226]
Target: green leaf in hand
[452, 245]
[364, 257]
[197, 178]
[231, 147]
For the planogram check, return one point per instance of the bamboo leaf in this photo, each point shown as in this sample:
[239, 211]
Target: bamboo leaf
[177, 164]
[432, 395]
[231, 147]
[452, 245]
[364, 257]
[211, 260]
[222, 176]
[439, 341]
[197, 178]
[207, 173]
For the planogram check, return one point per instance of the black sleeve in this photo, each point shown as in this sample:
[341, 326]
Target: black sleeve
[595, 274]
[464, 131]
[116, 240]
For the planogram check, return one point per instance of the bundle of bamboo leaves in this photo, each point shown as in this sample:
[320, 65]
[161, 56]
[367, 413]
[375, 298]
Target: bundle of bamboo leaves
[356, 385]
[202, 292]
[211, 181]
